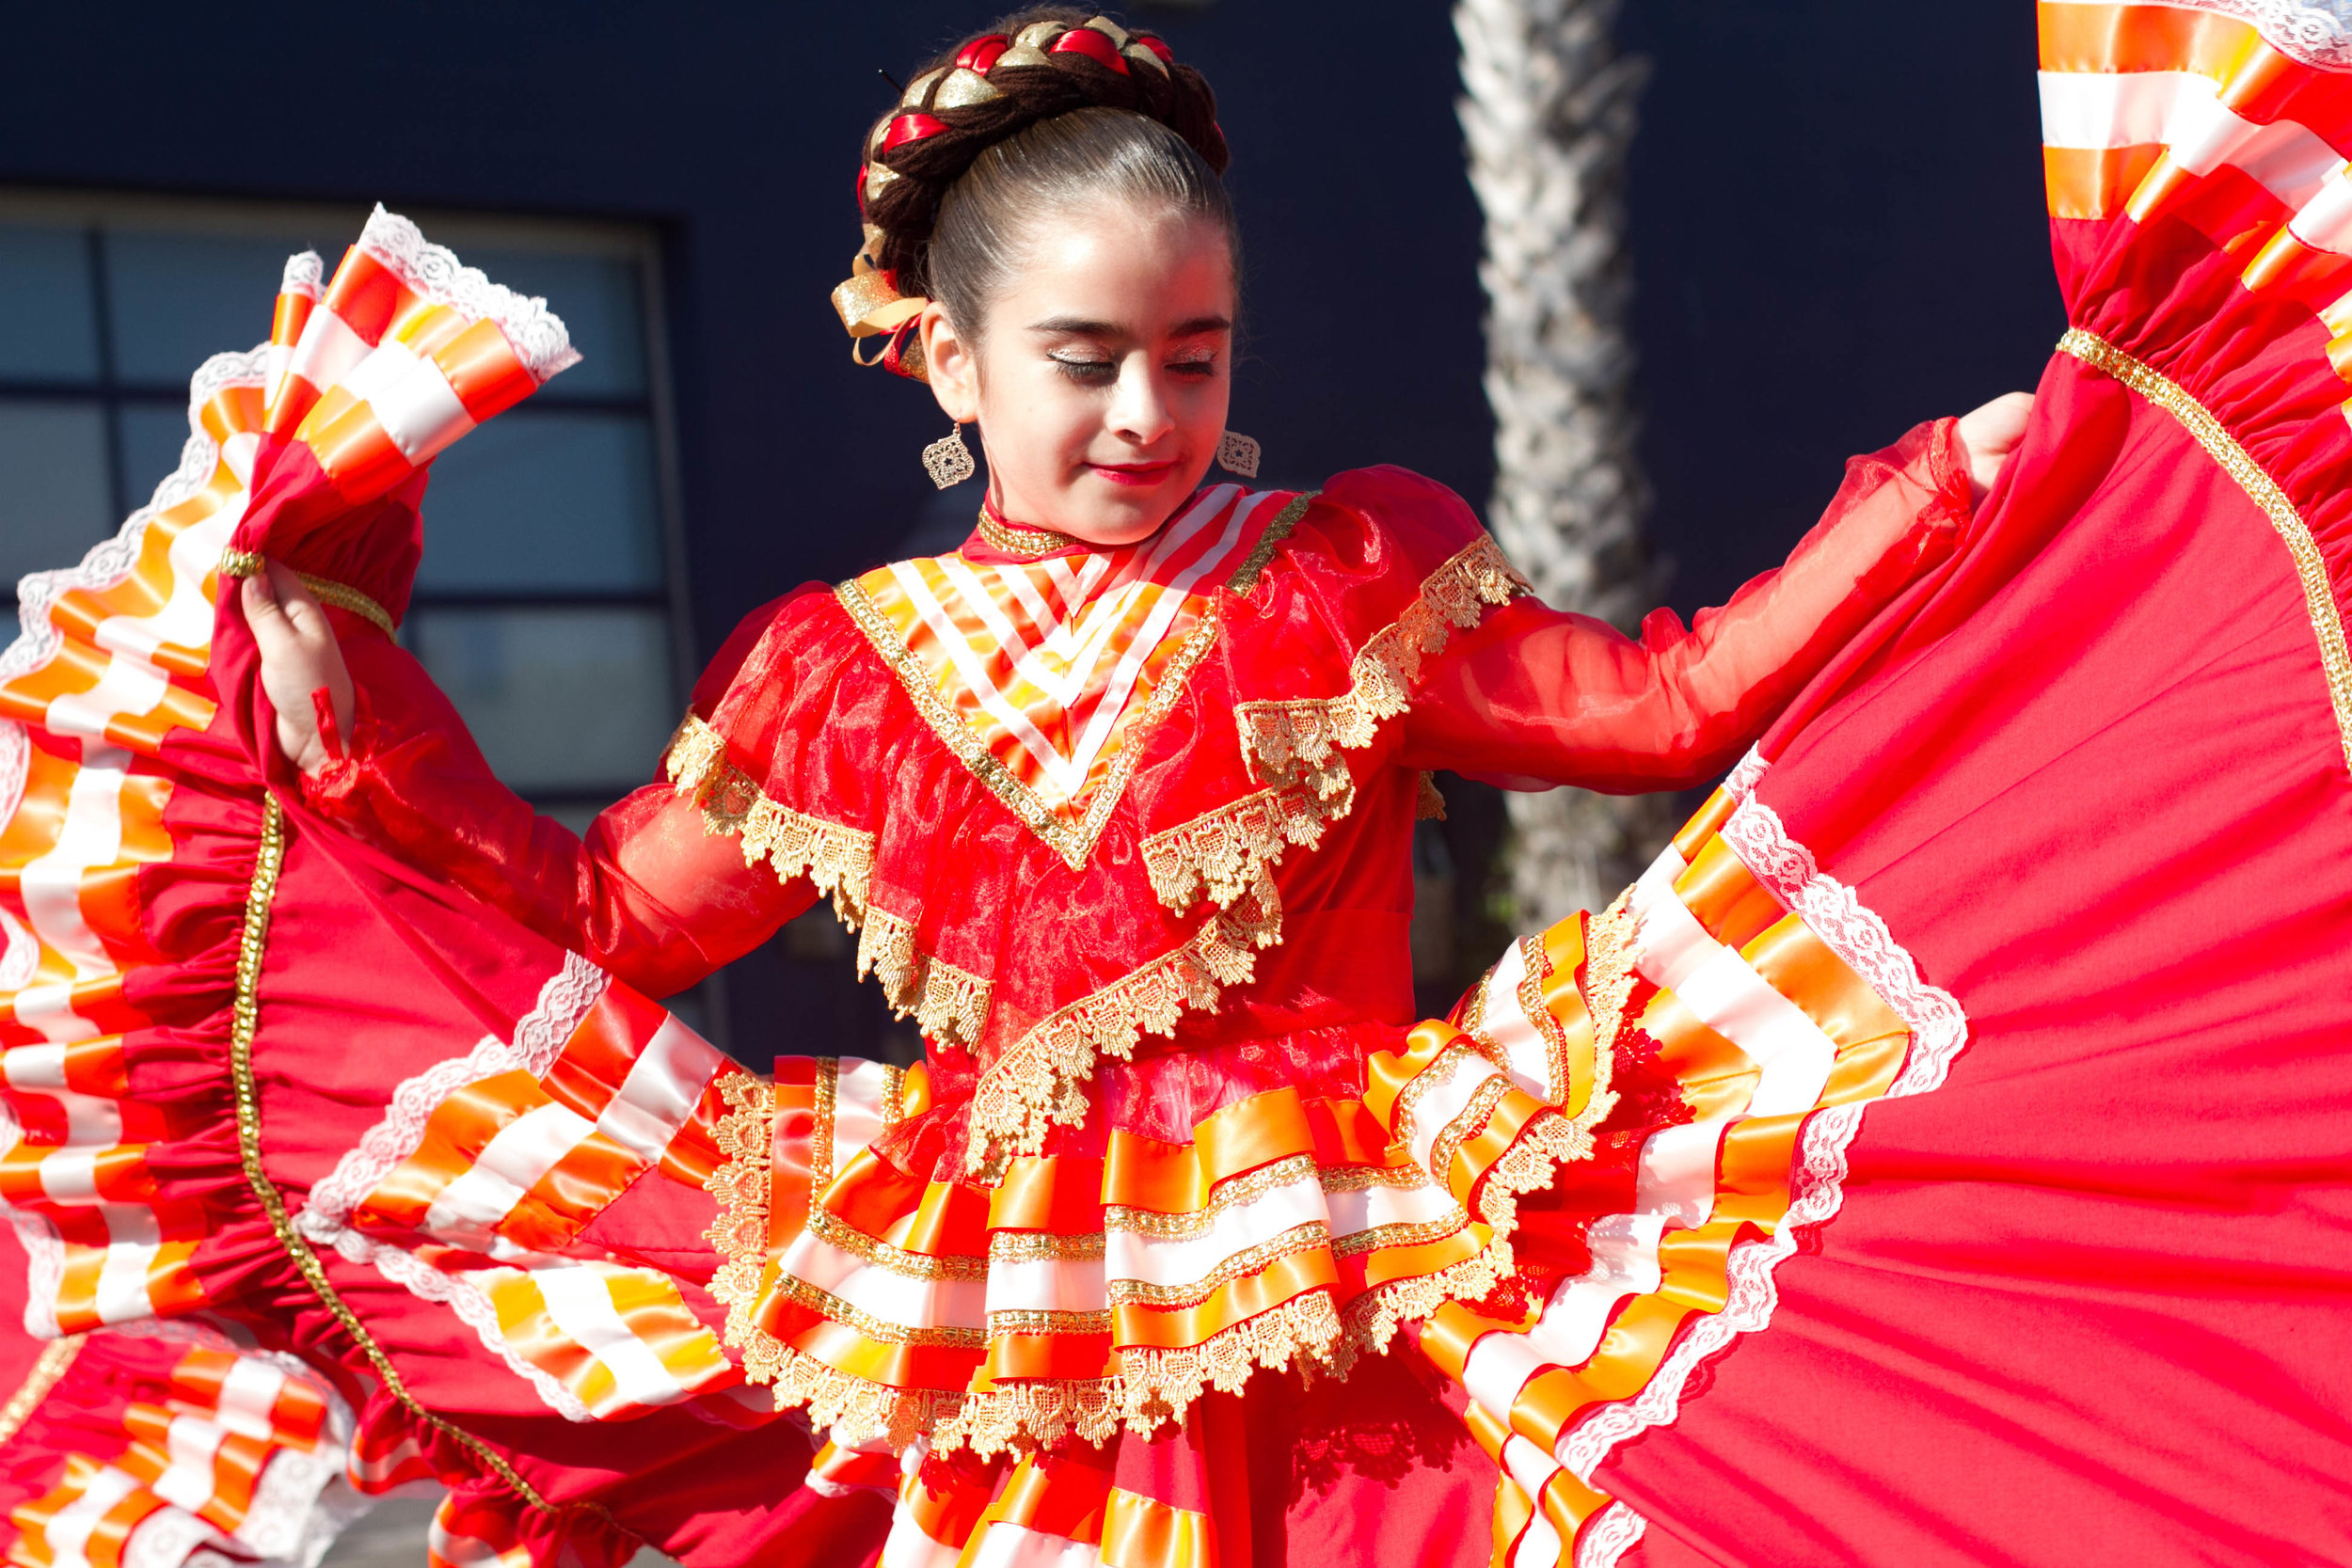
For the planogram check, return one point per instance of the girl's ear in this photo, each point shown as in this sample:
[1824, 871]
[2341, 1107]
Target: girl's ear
[951, 365]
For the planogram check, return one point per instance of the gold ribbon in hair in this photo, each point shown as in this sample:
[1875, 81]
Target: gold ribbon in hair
[869, 303]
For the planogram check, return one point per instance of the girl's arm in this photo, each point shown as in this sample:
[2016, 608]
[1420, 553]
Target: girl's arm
[1536, 696]
[648, 895]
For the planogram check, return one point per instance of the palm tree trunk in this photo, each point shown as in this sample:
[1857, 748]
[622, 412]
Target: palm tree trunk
[1548, 114]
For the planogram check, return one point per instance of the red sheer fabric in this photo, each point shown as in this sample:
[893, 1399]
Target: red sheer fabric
[649, 895]
[1533, 697]
[1529, 696]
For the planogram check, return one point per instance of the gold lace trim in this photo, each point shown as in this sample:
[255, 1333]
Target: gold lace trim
[1466, 1123]
[1439, 1072]
[1549, 1141]
[948, 1004]
[1155, 1386]
[1553, 1138]
[2310, 566]
[1429, 803]
[1228, 852]
[1041, 1078]
[838, 859]
[744, 1135]
[1074, 844]
[1535, 969]
[56, 1357]
[1295, 744]
[250, 563]
[1232, 850]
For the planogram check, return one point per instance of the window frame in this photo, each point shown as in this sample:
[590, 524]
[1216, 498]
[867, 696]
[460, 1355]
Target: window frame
[93, 213]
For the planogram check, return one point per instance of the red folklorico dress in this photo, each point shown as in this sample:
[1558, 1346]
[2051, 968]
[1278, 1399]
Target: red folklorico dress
[349, 1154]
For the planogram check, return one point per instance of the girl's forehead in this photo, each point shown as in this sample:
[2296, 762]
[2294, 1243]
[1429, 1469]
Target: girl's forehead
[1136, 265]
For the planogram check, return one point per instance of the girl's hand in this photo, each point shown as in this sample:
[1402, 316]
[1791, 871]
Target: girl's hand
[1989, 434]
[299, 657]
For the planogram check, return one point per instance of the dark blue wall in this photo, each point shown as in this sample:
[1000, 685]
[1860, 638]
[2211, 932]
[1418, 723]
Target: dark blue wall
[1839, 231]
[1836, 217]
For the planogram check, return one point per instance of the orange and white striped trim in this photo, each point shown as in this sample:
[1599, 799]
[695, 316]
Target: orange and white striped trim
[235, 1460]
[472, 1190]
[1043, 663]
[2183, 112]
[1782, 1007]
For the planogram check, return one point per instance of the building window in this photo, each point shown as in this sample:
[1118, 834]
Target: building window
[548, 606]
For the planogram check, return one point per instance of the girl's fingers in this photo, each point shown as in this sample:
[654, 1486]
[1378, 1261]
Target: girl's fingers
[300, 606]
[265, 615]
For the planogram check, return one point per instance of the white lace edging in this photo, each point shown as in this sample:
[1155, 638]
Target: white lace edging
[1939, 1028]
[2317, 32]
[305, 275]
[1611, 1534]
[45, 1272]
[1742, 779]
[171, 1537]
[536, 334]
[110, 561]
[539, 1038]
[471, 1304]
[564, 1001]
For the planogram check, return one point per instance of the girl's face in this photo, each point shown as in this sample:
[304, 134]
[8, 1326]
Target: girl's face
[1100, 383]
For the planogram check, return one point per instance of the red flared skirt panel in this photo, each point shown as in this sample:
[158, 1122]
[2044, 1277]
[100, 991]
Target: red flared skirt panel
[2086, 1302]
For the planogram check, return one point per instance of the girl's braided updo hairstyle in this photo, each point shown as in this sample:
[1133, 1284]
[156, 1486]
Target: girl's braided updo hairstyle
[1050, 108]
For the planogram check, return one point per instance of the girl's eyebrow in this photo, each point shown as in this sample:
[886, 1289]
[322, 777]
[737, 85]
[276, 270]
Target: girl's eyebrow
[1079, 326]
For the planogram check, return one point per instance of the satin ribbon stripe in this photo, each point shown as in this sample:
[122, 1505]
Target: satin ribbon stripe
[2157, 112]
[475, 1533]
[395, 360]
[1043, 663]
[194, 1472]
[1765, 1025]
[621, 1339]
[513, 1152]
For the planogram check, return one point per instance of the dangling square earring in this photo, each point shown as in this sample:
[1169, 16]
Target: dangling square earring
[1238, 453]
[948, 460]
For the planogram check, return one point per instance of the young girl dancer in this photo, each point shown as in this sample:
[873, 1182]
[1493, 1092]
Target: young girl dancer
[1182, 1245]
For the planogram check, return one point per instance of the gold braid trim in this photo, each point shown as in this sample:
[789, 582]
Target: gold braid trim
[1041, 1078]
[1019, 539]
[56, 1357]
[249, 563]
[2310, 566]
[244, 1022]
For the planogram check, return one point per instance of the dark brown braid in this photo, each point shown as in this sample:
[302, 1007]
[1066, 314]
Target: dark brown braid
[1031, 66]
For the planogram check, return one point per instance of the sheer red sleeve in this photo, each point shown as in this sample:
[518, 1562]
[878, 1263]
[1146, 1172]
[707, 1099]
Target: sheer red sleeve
[649, 894]
[1535, 697]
